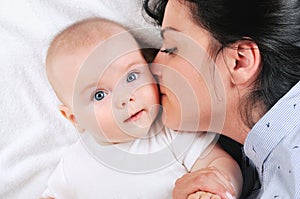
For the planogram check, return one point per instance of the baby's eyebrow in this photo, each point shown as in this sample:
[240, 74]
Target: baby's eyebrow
[91, 85]
[168, 28]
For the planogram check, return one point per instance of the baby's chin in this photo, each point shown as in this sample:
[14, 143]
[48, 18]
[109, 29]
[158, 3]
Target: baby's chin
[107, 141]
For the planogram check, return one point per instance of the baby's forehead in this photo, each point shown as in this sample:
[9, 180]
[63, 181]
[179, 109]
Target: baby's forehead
[93, 59]
[111, 49]
[103, 64]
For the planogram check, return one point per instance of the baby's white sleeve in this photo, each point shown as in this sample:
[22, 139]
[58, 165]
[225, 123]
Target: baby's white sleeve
[202, 142]
[58, 186]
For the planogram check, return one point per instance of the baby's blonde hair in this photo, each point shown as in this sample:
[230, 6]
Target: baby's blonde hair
[86, 33]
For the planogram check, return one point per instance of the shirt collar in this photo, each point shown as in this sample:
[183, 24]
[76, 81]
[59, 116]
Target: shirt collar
[277, 123]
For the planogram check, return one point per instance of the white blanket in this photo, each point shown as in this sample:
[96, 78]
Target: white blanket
[33, 134]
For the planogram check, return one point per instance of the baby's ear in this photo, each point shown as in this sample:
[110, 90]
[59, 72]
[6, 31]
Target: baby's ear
[68, 114]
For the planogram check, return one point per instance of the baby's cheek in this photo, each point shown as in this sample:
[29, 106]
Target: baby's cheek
[151, 94]
[104, 120]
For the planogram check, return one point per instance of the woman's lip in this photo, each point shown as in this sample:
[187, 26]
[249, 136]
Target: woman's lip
[163, 95]
[161, 92]
[135, 116]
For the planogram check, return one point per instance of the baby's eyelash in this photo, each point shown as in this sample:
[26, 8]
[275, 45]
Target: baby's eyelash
[169, 50]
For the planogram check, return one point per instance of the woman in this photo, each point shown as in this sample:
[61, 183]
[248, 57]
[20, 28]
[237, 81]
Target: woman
[254, 47]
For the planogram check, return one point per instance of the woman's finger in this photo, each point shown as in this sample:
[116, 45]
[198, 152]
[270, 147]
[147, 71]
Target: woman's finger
[209, 179]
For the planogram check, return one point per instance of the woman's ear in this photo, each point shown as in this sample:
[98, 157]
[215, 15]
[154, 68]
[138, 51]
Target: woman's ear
[245, 62]
[68, 114]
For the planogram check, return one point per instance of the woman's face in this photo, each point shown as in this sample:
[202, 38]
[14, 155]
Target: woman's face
[190, 82]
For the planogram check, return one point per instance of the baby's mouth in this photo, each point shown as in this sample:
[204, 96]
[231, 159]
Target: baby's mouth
[135, 116]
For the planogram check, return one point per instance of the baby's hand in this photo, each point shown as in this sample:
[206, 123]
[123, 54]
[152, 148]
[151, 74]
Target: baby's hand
[203, 195]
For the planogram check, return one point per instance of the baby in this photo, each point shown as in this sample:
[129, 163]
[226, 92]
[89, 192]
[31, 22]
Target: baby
[108, 93]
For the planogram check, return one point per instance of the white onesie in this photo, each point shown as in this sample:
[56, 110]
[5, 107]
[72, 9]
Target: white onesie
[141, 169]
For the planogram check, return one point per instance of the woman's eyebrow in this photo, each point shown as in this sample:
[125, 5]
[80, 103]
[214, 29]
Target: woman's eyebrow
[168, 28]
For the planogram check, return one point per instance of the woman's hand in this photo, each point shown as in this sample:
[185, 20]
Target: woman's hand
[208, 179]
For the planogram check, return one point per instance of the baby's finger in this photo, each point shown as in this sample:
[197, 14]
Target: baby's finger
[200, 194]
[203, 195]
[215, 197]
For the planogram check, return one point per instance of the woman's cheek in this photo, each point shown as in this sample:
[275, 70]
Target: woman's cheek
[187, 102]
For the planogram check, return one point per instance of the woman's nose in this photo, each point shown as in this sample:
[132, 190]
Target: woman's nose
[155, 70]
[156, 65]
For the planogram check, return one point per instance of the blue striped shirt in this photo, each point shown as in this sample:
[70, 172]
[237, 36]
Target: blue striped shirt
[273, 145]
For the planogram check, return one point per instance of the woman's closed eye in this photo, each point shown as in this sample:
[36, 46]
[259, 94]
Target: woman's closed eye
[132, 77]
[169, 51]
[99, 95]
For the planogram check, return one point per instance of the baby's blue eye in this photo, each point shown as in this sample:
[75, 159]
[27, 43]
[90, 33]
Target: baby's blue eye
[132, 76]
[99, 95]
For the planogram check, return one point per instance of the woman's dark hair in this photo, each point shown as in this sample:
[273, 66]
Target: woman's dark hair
[274, 25]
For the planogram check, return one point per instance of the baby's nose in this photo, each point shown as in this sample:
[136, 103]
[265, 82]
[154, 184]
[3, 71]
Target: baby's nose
[122, 102]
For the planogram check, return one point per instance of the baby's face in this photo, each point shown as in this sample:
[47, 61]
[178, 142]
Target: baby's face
[115, 96]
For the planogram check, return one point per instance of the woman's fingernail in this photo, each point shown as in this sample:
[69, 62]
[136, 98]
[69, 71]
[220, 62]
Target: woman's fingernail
[229, 196]
[232, 186]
